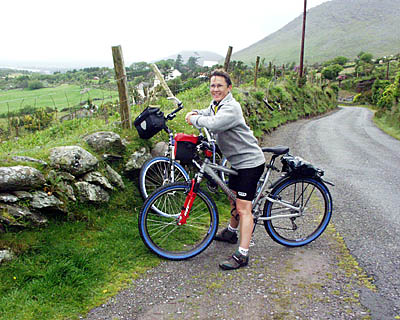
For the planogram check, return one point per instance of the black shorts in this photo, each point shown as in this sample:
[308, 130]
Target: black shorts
[245, 183]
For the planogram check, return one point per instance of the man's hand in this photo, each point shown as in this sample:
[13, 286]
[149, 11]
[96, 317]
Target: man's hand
[188, 115]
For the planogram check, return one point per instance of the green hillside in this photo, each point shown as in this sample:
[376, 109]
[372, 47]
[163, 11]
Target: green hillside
[337, 27]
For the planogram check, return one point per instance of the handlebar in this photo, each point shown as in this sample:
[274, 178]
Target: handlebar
[173, 113]
[177, 101]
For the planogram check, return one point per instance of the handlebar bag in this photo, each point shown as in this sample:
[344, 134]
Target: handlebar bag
[185, 147]
[149, 122]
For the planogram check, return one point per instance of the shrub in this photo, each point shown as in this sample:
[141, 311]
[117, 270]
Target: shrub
[386, 101]
[39, 120]
[378, 88]
[35, 84]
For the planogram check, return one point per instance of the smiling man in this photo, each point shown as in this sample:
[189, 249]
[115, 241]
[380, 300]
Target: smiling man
[224, 117]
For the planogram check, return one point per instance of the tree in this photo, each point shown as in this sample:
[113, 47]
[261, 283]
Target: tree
[238, 70]
[364, 65]
[366, 57]
[332, 71]
[138, 69]
[179, 63]
[175, 85]
[165, 67]
[192, 63]
[341, 60]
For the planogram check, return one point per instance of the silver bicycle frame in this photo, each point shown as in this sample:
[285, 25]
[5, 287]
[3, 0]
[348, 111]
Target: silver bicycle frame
[208, 168]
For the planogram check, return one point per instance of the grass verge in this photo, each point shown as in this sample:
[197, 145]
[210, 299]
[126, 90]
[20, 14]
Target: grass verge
[71, 266]
[385, 122]
[386, 126]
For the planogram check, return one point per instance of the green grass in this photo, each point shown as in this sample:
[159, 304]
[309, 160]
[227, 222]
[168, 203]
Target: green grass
[61, 97]
[386, 124]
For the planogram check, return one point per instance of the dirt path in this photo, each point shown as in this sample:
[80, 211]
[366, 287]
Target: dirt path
[318, 281]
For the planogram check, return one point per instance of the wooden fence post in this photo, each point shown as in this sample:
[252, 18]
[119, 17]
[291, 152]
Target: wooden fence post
[228, 59]
[9, 120]
[120, 74]
[256, 71]
[387, 70]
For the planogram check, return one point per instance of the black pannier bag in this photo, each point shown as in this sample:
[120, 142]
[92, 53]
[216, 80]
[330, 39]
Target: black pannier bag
[185, 147]
[149, 122]
[299, 167]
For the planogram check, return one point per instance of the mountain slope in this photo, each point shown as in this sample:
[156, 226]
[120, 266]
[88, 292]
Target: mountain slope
[337, 27]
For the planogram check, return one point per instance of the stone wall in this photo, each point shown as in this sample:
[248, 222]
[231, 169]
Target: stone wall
[28, 195]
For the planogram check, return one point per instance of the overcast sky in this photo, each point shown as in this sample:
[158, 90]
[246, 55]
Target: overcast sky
[85, 30]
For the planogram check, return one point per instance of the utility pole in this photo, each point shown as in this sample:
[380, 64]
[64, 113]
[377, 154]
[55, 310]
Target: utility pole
[302, 40]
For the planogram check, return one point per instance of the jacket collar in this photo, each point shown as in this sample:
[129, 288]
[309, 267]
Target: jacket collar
[225, 100]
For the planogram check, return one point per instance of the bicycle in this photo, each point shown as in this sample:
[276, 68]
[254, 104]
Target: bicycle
[161, 170]
[295, 209]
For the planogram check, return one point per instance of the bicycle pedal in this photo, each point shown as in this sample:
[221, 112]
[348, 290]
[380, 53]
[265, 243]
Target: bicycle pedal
[252, 243]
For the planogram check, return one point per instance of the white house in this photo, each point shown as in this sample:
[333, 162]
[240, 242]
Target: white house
[173, 74]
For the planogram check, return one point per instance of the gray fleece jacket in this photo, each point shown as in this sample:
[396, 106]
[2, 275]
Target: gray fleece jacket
[233, 136]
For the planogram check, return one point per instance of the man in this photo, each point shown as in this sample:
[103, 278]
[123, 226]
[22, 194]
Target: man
[224, 117]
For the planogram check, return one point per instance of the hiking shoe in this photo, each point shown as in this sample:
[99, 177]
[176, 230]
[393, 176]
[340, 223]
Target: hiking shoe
[235, 262]
[227, 236]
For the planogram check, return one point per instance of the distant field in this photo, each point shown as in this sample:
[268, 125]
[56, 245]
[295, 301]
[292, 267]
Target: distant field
[61, 97]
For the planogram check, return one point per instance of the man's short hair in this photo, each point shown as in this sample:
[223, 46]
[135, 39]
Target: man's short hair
[222, 73]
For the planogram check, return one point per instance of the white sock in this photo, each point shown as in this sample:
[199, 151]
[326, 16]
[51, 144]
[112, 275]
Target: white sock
[232, 229]
[243, 251]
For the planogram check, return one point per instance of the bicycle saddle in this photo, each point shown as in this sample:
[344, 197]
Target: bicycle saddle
[277, 150]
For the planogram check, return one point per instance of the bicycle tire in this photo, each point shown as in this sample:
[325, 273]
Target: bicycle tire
[163, 236]
[155, 172]
[299, 231]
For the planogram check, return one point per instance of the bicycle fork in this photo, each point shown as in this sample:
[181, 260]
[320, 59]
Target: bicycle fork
[188, 203]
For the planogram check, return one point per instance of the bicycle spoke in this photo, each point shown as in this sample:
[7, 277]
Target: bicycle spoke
[164, 236]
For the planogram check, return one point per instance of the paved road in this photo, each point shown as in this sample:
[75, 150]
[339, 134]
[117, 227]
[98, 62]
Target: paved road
[364, 164]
